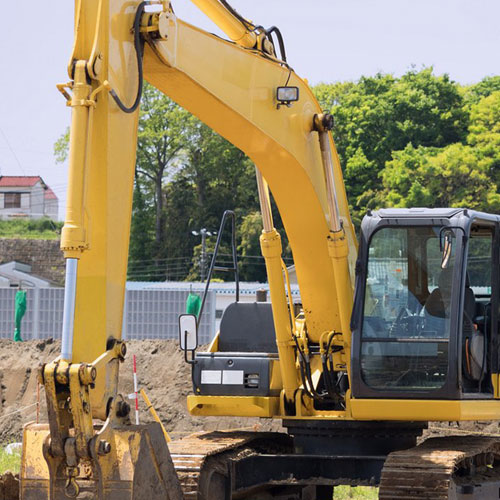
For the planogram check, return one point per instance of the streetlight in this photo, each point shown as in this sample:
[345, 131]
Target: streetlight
[203, 232]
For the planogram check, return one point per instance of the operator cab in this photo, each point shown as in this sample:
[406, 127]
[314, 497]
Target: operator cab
[425, 316]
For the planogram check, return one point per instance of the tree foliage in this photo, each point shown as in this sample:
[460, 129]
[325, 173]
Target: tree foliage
[61, 147]
[190, 175]
[457, 175]
[379, 115]
[474, 93]
[453, 176]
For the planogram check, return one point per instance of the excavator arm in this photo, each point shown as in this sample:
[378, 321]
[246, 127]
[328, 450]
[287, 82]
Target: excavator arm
[232, 86]
[233, 89]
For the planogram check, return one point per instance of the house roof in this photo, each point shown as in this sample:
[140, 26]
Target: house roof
[49, 194]
[19, 180]
[26, 181]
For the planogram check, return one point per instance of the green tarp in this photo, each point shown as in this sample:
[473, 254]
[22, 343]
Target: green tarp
[193, 304]
[19, 313]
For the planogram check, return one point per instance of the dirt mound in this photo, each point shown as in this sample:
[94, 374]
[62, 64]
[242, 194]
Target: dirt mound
[18, 383]
[162, 373]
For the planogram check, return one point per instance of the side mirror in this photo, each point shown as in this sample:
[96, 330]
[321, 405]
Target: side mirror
[188, 332]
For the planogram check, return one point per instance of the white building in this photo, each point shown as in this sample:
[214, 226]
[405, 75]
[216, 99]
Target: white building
[17, 275]
[27, 196]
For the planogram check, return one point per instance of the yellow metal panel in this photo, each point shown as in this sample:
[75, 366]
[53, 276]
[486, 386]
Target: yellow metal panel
[424, 410]
[233, 91]
[33, 463]
[236, 406]
[103, 38]
[275, 383]
[495, 383]
[233, 27]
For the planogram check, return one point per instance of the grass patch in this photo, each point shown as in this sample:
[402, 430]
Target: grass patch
[356, 493]
[9, 462]
[43, 229]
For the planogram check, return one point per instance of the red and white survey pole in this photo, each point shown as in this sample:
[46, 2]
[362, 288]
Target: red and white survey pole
[136, 393]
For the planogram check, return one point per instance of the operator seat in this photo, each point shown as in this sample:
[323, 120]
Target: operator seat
[247, 327]
[438, 302]
[437, 307]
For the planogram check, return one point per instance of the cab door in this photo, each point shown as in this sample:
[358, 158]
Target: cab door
[479, 339]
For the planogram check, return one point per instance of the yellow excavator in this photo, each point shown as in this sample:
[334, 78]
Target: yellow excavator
[387, 337]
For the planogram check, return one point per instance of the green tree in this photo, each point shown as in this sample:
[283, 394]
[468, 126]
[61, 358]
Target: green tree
[378, 115]
[61, 147]
[222, 178]
[181, 219]
[160, 142]
[453, 176]
[484, 134]
[474, 93]
[141, 265]
[252, 267]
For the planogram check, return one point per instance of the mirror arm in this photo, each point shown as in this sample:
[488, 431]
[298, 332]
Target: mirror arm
[445, 228]
[191, 361]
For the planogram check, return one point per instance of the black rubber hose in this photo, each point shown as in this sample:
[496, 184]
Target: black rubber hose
[317, 395]
[139, 47]
[304, 381]
[332, 381]
[237, 15]
[327, 378]
[303, 372]
[275, 29]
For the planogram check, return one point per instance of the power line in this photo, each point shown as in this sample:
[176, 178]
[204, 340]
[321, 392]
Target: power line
[12, 151]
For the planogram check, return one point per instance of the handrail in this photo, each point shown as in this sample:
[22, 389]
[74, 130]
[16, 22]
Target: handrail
[213, 267]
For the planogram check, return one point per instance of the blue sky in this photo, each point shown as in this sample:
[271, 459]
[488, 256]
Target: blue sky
[326, 40]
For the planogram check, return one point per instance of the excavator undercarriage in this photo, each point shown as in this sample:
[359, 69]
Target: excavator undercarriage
[257, 466]
[304, 464]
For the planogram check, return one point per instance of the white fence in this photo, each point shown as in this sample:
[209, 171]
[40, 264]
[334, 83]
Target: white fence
[148, 314]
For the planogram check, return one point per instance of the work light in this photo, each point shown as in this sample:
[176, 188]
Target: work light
[286, 95]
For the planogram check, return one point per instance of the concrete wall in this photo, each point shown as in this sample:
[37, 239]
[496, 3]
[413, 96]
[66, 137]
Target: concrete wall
[44, 257]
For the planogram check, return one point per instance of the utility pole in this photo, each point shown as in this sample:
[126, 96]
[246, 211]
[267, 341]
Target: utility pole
[203, 232]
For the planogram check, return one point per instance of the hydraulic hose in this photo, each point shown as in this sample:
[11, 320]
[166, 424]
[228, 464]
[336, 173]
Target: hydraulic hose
[269, 33]
[139, 48]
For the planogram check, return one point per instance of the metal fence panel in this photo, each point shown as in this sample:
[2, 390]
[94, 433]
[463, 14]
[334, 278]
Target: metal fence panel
[50, 313]
[148, 314]
[154, 314]
[7, 298]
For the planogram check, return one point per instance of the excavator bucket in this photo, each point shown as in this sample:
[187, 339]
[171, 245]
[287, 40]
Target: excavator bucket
[127, 463]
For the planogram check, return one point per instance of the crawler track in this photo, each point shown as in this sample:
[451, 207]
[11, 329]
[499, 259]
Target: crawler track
[438, 469]
[433, 469]
[201, 459]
